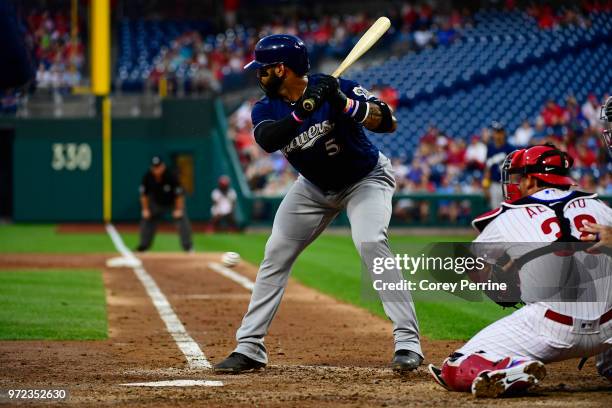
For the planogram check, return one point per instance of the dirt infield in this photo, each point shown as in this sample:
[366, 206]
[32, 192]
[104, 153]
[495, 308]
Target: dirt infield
[322, 352]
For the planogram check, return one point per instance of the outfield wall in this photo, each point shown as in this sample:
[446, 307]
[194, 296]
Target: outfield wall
[57, 162]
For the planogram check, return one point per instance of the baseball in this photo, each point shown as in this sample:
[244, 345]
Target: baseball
[230, 259]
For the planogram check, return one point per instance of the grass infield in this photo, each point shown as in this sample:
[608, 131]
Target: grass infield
[52, 305]
[330, 265]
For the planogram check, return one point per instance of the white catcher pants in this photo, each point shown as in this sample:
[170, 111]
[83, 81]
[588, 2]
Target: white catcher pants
[526, 333]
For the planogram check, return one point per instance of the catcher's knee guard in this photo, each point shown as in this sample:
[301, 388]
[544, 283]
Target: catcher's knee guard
[459, 371]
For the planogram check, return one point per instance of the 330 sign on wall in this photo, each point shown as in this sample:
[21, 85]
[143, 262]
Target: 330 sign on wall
[71, 156]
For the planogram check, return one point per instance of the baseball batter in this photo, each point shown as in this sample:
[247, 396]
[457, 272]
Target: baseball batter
[339, 169]
[509, 355]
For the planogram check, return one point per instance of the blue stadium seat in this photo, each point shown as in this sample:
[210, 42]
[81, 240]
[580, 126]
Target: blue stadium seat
[504, 68]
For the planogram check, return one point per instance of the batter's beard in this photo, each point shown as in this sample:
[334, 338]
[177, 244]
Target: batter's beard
[272, 87]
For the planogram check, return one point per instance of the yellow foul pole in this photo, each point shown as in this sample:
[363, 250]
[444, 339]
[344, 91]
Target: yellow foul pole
[100, 86]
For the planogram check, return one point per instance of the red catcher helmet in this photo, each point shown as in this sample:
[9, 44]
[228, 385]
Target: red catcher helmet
[544, 162]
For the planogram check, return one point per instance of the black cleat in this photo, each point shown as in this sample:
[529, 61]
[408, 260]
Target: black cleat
[405, 360]
[237, 363]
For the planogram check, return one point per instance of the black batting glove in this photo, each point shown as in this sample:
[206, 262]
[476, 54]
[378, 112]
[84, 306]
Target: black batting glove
[318, 93]
[336, 98]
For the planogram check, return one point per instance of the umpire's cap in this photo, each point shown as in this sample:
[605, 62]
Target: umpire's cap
[156, 161]
[281, 48]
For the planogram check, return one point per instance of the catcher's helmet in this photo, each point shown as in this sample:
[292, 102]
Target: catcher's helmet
[606, 117]
[544, 162]
[281, 48]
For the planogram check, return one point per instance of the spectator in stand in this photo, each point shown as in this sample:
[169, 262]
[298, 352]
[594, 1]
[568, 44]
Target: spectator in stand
[187, 58]
[386, 93]
[590, 110]
[476, 154]
[446, 34]
[448, 209]
[523, 135]
[539, 132]
[553, 114]
[497, 151]
[60, 56]
[605, 185]
[587, 183]
[455, 156]
[584, 156]
[575, 122]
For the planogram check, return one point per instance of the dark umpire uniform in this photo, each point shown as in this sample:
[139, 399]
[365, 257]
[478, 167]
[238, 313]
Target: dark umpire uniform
[160, 193]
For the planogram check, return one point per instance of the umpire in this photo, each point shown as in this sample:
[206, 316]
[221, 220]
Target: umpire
[161, 192]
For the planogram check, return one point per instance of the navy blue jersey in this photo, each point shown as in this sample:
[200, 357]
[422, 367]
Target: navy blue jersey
[495, 158]
[330, 149]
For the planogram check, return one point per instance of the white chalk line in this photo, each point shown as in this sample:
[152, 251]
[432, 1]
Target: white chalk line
[194, 355]
[235, 276]
[177, 383]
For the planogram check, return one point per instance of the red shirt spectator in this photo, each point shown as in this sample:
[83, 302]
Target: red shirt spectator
[455, 155]
[409, 15]
[390, 96]
[585, 157]
[553, 114]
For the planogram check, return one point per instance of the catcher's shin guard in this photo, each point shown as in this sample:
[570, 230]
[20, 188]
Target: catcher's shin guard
[459, 371]
[517, 377]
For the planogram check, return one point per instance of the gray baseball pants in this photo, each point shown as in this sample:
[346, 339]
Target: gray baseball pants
[303, 214]
[149, 226]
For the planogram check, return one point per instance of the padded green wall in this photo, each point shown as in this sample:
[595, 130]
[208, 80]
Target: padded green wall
[42, 193]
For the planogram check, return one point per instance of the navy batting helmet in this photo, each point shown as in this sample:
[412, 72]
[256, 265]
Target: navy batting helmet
[281, 48]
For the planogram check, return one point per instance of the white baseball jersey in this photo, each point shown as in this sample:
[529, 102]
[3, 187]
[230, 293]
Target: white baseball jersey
[520, 224]
[533, 221]
[223, 203]
[518, 227]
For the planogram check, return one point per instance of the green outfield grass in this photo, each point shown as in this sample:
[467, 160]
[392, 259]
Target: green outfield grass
[52, 305]
[330, 264]
[43, 238]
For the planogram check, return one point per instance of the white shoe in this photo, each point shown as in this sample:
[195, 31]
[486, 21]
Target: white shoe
[519, 376]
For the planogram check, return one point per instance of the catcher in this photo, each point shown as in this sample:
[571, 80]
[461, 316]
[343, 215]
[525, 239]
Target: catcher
[509, 355]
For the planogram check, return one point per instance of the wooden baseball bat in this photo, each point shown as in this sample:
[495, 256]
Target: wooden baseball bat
[367, 40]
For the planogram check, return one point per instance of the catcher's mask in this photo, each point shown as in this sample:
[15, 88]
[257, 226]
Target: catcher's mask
[544, 162]
[509, 186]
[606, 116]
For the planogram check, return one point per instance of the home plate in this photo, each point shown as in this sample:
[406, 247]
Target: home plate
[177, 383]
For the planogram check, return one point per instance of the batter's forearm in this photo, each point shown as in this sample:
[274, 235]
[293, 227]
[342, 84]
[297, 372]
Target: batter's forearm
[274, 135]
[375, 118]
[179, 203]
[144, 202]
